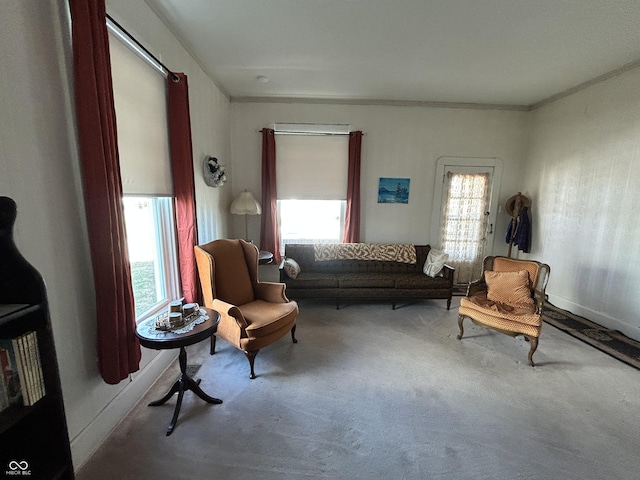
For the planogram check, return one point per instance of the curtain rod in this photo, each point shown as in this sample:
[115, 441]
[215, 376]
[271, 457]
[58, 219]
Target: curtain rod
[173, 76]
[326, 134]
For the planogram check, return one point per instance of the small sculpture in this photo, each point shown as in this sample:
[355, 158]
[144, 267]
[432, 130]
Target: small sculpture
[214, 172]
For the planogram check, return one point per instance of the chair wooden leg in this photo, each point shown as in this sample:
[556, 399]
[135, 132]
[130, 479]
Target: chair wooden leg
[212, 348]
[449, 303]
[460, 319]
[293, 334]
[534, 345]
[251, 356]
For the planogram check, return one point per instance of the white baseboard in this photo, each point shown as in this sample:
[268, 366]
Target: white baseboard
[631, 331]
[91, 437]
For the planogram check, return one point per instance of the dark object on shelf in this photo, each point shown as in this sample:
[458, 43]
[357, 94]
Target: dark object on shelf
[34, 439]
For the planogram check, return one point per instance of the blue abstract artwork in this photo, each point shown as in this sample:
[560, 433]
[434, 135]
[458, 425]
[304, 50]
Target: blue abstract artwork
[393, 190]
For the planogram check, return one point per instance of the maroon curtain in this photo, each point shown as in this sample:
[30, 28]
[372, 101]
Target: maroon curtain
[352, 216]
[269, 233]
[183, 182]
[118, 347]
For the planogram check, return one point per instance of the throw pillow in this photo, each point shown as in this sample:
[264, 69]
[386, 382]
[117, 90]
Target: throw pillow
[511, 288]
[434, 263]
[291, 268]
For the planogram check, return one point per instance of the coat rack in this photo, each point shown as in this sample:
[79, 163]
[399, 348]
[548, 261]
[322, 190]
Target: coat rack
[514, 208]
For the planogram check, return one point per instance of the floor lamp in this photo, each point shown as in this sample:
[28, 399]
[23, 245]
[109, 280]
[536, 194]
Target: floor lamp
[245, 205]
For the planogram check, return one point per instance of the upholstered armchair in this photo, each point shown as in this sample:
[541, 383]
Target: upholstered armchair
[253, 314]
[508, 298]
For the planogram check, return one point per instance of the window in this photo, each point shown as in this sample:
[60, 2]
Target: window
[139, 91]
[151, 245]
[311, 221]
[464, 225]
[312, 187]
[464, 222]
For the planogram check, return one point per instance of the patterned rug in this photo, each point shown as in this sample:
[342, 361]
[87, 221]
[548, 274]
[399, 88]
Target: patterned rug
[609, 341]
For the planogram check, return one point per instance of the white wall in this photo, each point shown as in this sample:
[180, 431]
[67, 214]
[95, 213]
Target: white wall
[400, 141]
[583, 176]
[39, 168]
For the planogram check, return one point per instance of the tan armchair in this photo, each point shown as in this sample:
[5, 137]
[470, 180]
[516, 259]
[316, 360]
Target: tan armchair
[508, 298]
[253, 314]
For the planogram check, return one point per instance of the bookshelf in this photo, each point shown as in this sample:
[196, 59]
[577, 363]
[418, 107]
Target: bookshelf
[34, 439]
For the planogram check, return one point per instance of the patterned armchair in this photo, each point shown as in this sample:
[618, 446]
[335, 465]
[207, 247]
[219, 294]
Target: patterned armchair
[253, 314]
[508, 298]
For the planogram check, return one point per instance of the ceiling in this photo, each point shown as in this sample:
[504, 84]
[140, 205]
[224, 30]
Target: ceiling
[506, 52]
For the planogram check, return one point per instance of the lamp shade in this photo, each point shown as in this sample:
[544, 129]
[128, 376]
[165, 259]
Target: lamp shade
[245, 204]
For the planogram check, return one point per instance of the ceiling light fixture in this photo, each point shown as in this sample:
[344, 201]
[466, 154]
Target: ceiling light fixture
[262, 79]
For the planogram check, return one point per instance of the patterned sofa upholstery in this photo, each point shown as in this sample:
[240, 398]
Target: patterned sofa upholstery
[345, 279]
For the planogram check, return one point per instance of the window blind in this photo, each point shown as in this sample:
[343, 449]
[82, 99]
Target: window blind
[312, 167]
[140, 99]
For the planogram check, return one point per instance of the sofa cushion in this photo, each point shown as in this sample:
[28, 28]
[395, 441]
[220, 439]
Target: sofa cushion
[419, 280]
[365, 280]
[313, 280]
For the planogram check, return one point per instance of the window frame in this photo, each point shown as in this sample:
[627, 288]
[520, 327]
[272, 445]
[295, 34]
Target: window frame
[167, 275]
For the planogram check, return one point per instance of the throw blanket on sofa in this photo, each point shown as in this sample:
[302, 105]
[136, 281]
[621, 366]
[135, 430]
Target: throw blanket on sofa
[404, 253]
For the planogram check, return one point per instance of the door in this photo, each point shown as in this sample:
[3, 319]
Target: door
[466, 213]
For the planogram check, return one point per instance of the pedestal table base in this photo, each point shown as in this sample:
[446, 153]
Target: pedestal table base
[183, 383]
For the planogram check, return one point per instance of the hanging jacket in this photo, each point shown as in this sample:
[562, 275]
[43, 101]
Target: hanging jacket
[523, 231]
[510, 227]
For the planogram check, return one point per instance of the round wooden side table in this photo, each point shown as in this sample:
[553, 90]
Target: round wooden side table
[264, 257]
[160, 340]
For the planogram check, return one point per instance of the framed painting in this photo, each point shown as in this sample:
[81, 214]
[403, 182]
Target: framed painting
[393, 190]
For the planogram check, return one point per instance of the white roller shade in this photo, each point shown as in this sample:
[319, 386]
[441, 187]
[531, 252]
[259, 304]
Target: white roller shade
[312, 167]
[140, 98]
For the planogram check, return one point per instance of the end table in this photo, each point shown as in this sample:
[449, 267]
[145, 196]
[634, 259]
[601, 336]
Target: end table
[160, 340]
[264, 257]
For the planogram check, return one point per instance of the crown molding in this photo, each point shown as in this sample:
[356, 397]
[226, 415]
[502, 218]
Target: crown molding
[599, 79]
[393, 103]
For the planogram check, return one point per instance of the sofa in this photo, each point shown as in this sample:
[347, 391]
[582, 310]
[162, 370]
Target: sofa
[309, 274]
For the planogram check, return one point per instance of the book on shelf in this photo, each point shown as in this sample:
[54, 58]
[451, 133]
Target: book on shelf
[4, 397]
[26, 375]
[21, 370]
[34, 353]
[10, 375]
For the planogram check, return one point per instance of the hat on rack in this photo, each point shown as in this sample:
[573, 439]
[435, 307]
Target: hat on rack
[513, 205]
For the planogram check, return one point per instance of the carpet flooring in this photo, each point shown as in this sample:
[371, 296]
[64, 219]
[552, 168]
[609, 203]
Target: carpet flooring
[375, 393]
